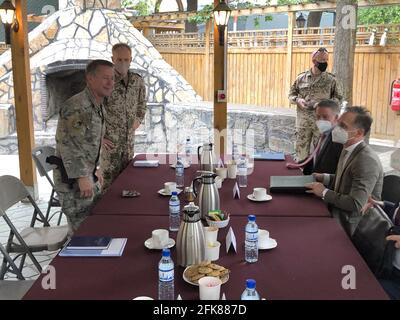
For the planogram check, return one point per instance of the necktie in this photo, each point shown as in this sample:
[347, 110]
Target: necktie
[339, 169]
[312, 156]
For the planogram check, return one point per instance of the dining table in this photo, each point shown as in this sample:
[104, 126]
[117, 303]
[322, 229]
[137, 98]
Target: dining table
[313, 258]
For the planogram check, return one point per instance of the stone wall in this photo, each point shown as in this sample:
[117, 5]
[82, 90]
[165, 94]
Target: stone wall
[167, 126]
[70, 38]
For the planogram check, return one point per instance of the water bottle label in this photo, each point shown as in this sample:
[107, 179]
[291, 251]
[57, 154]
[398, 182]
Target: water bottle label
[166, 275]
[251, 236]
[174, 208]
[180, 171]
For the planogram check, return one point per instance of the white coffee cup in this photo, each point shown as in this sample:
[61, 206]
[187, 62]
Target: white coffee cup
[232, 170]
[210, 235]
[222, 172]
[209, 288]
[143, 298]
[169, 187]
[160, 238]
[263, 237]
[259, 193]
[218, 182]
[212, 251]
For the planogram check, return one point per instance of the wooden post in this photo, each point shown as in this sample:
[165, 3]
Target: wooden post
[345, 44]
[146, 32]
[207, 61]
[291, 23]
[220, 108]
[23, 98]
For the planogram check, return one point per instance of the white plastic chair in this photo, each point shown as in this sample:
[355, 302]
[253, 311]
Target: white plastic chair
[30, 239]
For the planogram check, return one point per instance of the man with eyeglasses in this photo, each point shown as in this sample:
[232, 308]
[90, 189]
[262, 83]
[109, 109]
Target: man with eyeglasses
[309, 88]
[359, 173]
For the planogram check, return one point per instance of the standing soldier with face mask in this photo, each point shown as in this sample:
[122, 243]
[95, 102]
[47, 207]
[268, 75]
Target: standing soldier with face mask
[126, 108]
[309, 88]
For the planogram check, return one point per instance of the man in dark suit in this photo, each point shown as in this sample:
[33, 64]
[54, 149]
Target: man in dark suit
[359, 172]
[325, 157]
[391, 284]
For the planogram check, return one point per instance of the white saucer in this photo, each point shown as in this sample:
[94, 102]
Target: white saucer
[269, 245]
[161, 191]
[251, 197]
[149, 244]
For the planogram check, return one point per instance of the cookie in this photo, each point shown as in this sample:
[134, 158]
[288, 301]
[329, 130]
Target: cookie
[196, 277]
[224, 272]
[204, 263]
[204, 270]
[216, 267]
[191, 272]
[215, 273]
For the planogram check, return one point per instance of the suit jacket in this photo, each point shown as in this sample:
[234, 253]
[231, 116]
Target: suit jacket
[327, 158]
[390, 209]
[361, 176]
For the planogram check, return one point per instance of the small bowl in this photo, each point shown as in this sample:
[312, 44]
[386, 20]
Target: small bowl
[218, 224]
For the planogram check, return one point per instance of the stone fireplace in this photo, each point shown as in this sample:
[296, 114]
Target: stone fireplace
[83, 30]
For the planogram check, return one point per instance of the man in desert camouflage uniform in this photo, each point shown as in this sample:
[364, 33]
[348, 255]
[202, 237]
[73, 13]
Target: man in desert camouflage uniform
[126, 108]
[309, 88]
[79, 135]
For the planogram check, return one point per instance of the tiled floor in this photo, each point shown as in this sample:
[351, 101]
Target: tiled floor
[21, 213]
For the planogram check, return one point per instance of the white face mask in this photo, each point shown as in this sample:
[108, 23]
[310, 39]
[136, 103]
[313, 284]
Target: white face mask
[323, 125]
[339, 135]
[122, 67]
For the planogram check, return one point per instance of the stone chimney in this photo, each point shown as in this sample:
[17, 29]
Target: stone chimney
[90, 4]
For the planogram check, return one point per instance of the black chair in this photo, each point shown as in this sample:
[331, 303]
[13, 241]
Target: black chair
[391, 188]
[39, 155]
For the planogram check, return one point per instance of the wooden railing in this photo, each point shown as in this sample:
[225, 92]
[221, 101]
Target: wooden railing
[276, 37]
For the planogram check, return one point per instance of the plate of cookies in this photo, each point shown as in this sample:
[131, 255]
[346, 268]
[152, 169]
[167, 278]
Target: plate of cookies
[193, 273]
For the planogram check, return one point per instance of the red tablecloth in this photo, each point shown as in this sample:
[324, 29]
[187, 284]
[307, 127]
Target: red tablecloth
[306, 264]
[149, 180]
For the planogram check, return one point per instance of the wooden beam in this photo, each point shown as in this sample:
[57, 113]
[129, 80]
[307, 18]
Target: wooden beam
[23, 98]
[157, 25]
[36, 18]
[207, 61]
[319, 6]
[220, 108]
[291, 24]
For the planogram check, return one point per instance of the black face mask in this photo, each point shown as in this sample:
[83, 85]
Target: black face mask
[322, 66]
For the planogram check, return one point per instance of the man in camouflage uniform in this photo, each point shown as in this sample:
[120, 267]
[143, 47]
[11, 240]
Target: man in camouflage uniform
[309, 88]
[80, 131]
[126, 108]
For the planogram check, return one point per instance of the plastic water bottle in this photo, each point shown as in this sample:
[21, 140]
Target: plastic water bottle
[251, 242]
[242, 172]
[180, 173]
[235, 153]
[188, 151]
[250, 293]
[166, 277]
[174, 212]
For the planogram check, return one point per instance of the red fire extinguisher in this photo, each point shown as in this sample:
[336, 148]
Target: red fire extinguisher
[395, 95]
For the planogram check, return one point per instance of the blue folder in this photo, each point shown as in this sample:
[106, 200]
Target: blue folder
[275, 156]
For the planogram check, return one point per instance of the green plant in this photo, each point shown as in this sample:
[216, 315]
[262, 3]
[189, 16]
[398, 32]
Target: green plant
[143, 7]
[203, 15]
